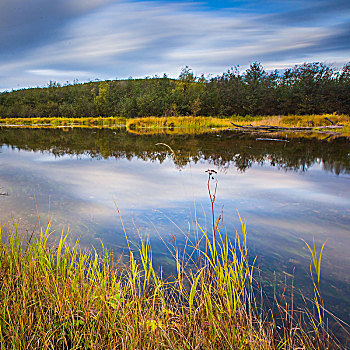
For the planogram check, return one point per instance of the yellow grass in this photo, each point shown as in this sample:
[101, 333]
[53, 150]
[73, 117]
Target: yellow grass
[183, 125]
[177, 122]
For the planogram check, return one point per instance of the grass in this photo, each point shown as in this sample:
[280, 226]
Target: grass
[309, 121]
[174, 131]
[185, 125]
[55, 122]
[56, 296]
[195, 125]
[177, 122]
[305, 120]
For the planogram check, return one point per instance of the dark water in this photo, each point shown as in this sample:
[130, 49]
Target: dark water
[284, 191]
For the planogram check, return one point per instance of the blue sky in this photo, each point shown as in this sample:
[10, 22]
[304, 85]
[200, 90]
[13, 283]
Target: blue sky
[63, 40]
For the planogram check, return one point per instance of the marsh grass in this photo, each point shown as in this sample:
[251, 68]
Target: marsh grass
[177, 122]
[182, 125]
[315, 120]
[61, 297]
[55, 122]
[307, 121]
[175, 131]
[197, 125]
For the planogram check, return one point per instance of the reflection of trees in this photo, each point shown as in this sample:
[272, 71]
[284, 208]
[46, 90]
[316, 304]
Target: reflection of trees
[223, 150]
[3, 193]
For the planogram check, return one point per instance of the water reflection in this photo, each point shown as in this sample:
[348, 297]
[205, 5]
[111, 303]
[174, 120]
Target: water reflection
[222, 150]
[85, 173]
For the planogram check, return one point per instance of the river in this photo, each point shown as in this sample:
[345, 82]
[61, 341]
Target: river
[286, 192]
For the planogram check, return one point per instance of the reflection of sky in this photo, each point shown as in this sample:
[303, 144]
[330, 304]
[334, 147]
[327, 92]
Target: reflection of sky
[138, 185]
[264, 195]
[280, 207]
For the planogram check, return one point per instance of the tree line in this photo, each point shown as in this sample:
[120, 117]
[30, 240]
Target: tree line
[310, 88]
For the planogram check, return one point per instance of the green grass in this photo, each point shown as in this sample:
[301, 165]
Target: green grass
[56, 296]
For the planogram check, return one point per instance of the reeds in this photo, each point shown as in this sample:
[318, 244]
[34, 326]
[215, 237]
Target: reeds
[177, 122]
[60, 297]
[304, 120]
[56, 122]
[196, 125]
[182, 125]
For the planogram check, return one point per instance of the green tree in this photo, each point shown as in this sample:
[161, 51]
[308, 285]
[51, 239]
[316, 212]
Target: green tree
[101, 98]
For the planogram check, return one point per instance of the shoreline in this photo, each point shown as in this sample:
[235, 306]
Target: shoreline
[330, 124]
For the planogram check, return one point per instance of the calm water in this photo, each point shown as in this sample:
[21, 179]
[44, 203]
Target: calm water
[285, 191]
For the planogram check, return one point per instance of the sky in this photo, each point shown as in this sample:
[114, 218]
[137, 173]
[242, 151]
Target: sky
[86, 40]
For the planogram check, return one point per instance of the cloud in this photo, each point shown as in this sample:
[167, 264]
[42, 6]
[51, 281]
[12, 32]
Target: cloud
[56, 72]
[27, 24]
[108, 39]
[311, 12]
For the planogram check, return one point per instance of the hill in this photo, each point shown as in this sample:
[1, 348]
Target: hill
[311, 88]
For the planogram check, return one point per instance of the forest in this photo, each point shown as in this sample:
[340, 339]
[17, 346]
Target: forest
[310, 88]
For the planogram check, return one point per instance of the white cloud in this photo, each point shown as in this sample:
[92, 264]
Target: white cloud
[57, 73]
[145, 38]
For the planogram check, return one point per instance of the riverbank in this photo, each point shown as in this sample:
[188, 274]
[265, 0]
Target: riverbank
[62, 122]
[332, 124]
[193, 125]
[53, 295]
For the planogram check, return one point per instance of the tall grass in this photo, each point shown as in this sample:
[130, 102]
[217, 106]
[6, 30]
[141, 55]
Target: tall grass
[193, 125]
[177, 122]
[55, 122]
[303, 120]
[60, 297]
[174, 131]
[183, 125]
